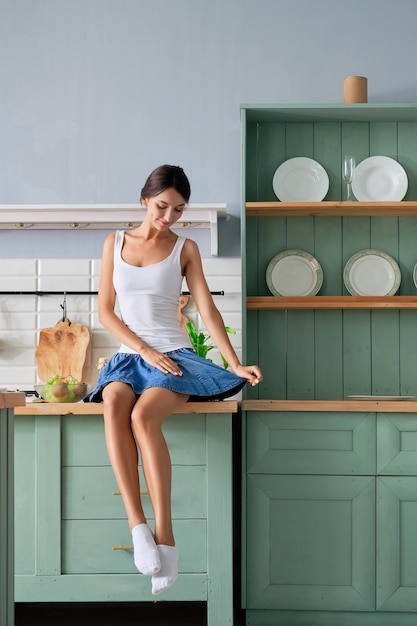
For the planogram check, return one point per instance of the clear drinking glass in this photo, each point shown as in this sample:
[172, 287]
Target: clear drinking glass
[348, 172]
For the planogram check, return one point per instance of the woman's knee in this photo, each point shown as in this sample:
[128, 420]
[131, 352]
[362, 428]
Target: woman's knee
[143, 419]
[118, 398]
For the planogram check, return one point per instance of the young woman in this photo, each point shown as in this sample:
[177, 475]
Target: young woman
[155, 369]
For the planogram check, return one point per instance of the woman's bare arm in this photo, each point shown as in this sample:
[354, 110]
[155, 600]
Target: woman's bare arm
[210, 314]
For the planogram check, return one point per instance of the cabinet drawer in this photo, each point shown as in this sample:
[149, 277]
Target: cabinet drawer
[88, 493]
[83, 440]
[311, 443]
[87, 547]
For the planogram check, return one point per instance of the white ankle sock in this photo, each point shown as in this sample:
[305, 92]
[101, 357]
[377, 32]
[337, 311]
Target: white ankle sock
[146, 555]
[168, 573]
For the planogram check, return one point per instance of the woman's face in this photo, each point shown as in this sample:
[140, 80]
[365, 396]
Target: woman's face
[165, 208]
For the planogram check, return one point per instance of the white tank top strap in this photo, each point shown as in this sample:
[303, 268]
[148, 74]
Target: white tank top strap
[176, 252]
[118, 244]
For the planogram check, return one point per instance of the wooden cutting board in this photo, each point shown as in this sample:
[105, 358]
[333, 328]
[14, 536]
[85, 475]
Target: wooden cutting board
[183, 319]
[62, 350]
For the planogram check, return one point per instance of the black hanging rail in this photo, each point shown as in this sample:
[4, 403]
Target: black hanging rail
[77, 293]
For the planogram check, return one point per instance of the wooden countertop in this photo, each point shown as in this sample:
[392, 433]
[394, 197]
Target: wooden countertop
[10, 399]
[95, 408]
[375, 406]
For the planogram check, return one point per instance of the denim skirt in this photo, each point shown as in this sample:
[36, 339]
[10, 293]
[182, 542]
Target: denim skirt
[201, 379]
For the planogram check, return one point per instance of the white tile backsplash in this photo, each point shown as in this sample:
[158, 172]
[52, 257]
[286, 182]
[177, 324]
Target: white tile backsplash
[18, 267]
[65, 267]
[23, 316]
[18, 283]
[64, 283]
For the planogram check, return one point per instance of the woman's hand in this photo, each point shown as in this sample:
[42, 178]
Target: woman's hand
[160, 360]
[252, 373]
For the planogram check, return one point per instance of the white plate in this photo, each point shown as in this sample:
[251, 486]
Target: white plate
[379, 179]
[300, 180]
[382, 398]
[294, 273]
[415, 275]
[372, 273]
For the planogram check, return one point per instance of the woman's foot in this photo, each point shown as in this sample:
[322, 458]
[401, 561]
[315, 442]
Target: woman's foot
[168, 573]
[146, 554]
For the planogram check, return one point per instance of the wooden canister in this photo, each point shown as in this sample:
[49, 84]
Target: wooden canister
[355, 89]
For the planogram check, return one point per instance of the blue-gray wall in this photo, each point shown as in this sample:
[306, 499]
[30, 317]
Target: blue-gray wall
[95, 93]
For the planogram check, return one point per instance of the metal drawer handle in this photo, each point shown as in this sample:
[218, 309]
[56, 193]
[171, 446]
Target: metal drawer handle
[122, 547]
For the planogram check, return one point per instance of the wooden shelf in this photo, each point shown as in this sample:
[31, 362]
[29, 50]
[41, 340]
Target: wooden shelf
[351, 406]
[345, 209]
[331, 302]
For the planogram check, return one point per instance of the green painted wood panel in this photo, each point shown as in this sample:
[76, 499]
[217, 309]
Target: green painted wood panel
[396, 543]
[88, 493]
[328, 618]
[270, 143]
[48, 496]
[397, 444]
[407, 155]
[87, 546]
[252, 347]
[330, 354]
[220, 526]
[272, 353]
[108, 588]
[37, 488]
[311, 443]
[408, 352]
[25, 491]
[84, 443]
[253, 276]
[343, 352]
[78, 563]
[364, 352]
[6, 517]
[385, 352]
[310, 542]
[270, 149]
[328, 347]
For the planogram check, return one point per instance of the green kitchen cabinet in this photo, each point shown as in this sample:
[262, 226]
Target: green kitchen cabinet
[6, 517]
[8, 401]
[329, 545]
[72, 539]
[329, 483]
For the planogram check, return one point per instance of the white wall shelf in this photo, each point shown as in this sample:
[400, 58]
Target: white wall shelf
[104, 216]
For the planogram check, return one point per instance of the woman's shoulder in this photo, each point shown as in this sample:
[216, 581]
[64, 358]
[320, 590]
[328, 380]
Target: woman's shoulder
[190, 256]
[110, 239]
[191, 247]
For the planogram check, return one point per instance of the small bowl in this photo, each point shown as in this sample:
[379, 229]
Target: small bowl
[63, 392]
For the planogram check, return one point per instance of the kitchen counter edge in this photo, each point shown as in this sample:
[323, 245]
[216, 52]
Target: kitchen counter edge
[11, 399]
[94, 408]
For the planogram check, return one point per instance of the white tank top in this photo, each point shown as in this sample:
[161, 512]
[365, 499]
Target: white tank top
[148, 298]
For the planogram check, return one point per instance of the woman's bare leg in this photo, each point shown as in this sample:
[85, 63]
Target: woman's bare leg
[149, 413]
[119, 400]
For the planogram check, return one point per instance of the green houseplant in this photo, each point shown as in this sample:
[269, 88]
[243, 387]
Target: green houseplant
[199, 342]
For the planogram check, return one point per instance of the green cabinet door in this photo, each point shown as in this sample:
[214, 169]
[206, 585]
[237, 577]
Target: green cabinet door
[396, 544]
[310, 542]
[397, 444]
